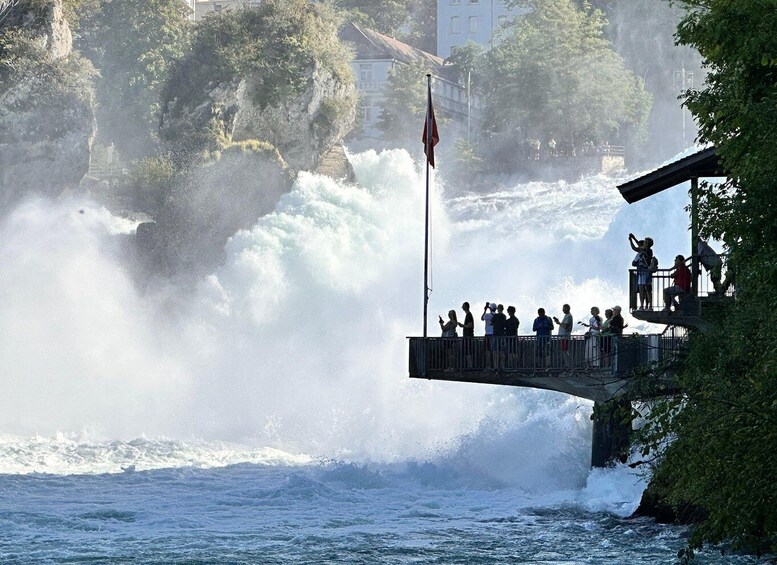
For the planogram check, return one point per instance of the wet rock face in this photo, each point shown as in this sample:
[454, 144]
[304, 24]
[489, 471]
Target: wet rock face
[46, 106]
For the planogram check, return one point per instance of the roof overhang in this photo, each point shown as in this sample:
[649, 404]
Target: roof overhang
[704, 163]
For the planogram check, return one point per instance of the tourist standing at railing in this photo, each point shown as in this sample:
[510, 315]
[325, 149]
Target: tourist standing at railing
[468, 327]
[468, 332]
[488, 314]
[543, 325]
[711, 262]
[642, 260]
[594, 326]
[616, 329]
[681, 278]
[511, 331]
[616, 324]
[605, 342]
[498, 321]
[564, 331]
[449, 330]
[652, 268]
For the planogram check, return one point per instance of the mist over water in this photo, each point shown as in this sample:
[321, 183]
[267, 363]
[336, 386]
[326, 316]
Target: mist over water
[296, 344]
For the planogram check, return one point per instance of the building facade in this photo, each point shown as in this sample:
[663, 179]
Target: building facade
[377, 54]
[460, 21]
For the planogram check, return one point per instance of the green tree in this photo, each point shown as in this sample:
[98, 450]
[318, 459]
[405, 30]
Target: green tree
[554, 75]
[643, 34]
[279, 48]
[77, 10]
[467, 59]
[422, 22]
[404, 103]
[385, 16]
[133, 43]
[280, 42]
[723, 457]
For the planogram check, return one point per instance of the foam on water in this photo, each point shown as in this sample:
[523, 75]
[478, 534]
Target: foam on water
[294, 349]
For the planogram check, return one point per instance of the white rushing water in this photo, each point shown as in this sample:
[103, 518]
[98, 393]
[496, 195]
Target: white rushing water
[266, 415]
[297, 343]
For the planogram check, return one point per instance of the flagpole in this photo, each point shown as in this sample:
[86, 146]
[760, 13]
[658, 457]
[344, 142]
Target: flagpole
[426, 221]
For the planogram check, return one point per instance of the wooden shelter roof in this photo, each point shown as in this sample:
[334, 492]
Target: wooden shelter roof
[703, 163]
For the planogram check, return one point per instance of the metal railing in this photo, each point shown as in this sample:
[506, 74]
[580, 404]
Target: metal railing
[717, 281]
[604, 353]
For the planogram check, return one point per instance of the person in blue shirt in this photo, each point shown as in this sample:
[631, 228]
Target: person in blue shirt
[543, 325]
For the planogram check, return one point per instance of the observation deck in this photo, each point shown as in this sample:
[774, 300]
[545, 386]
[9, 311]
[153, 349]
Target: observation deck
[693, 307]
[596, 368]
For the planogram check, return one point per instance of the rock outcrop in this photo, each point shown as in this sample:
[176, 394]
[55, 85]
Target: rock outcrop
[46, 104]
[250, 75]
[211, 202]
[302, 127]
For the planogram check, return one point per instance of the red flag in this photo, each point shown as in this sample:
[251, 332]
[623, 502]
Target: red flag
[430, 143]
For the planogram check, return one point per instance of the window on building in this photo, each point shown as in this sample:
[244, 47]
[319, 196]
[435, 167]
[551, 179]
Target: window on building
[474, 1]
[217, 7]
[455, 24]
[474, 24]
[503, 21]
[367, 114]
[455, 2]
[365, 73]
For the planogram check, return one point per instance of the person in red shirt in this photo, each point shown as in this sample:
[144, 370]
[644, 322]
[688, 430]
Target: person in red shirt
[682, 283]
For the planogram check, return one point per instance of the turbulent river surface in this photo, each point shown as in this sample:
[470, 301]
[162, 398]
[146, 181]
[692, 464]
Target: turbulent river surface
[281, 509]
[265, 415]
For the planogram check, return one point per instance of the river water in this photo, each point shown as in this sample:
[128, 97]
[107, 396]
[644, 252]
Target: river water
[266, 416]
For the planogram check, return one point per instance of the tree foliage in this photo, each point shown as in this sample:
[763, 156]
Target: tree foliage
[467, 59]
[554, 75]
[49, 83]
[133, 43]
[77, 10]
[421, 26]
[277, 50]
[404, 104]
[385, 16]
[280, 42]
[723, 456]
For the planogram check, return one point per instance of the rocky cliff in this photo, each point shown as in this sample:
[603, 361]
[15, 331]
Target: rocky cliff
[276, 73]
[303, 127]
[46, 104]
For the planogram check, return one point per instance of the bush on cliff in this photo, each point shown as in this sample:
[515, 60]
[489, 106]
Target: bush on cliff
[723, 453]
[275, 51]
[132, 43]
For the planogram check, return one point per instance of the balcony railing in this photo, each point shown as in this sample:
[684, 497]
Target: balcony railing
[617, 355]
[715, 282]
